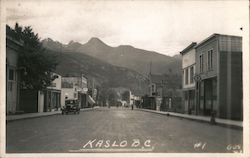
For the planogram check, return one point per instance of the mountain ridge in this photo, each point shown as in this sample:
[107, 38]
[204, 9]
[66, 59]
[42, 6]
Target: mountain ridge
[123, 55]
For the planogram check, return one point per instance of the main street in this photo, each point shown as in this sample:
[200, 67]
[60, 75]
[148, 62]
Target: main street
[118, 130]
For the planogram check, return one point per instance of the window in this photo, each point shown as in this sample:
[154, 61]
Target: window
[210, 60]
[53, 84]
[11, 75]
[186, 76]
[201, 63]
[191, 74]
[153, 88]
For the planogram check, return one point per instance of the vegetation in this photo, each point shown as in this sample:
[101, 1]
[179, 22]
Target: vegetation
[35, 62]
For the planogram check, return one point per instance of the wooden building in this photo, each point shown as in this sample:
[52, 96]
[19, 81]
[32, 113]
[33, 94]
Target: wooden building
[12, 74]
[219, 76]
[188, 83]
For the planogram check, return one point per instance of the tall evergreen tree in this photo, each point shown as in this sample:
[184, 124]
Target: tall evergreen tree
[35, 61]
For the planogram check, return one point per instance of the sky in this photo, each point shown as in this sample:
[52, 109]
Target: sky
[166, 27]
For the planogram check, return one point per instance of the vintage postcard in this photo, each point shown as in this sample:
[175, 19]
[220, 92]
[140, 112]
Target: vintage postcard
[130, 78]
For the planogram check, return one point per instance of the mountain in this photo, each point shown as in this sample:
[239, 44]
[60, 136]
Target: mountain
[106, 75]
[123, 56]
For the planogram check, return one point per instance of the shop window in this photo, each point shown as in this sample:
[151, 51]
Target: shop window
[202, 89]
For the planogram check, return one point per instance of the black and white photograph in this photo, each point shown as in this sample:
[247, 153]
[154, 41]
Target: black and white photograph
[129, 78]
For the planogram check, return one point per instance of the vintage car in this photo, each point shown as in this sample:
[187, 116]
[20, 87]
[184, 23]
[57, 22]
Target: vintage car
[71, 105]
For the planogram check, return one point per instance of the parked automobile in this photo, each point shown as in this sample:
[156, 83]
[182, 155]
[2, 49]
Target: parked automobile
[71, 105]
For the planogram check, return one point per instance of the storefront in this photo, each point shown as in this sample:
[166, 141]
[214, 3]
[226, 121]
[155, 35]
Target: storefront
[52, 99]
[208, 96]
[189, 101]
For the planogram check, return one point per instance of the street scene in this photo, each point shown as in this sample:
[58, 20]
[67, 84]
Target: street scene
[119, 130]
[125, 77]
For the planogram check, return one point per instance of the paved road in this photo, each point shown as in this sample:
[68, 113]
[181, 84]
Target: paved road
[119, 130]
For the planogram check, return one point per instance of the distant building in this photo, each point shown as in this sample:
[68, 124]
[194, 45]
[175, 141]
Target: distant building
[156, 85]
[155, 89]
[163, 93]
[76, 88]
[188, 83]
[219, 76]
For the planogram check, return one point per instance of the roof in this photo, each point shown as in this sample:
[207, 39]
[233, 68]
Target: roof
[17, 42]
[192, 45]
[213, 36]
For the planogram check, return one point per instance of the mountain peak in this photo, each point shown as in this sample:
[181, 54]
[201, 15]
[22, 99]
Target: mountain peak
[47, 40]
[95, 40]
[73, 43]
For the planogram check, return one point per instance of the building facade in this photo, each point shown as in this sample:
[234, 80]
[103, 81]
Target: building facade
[51, 96]
[163, 93]
[75, 88]
[219, 76]
[188, 83]
[12, 75]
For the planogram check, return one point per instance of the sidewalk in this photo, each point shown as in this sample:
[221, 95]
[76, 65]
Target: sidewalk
[224, 122]
[41, 114]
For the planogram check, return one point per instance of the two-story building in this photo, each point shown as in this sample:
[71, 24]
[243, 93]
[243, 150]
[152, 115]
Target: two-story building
[188, 83]
[155, 90]
[219, 76]
[75, 87]
[12, 74]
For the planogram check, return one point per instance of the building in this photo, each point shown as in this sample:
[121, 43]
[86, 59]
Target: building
[50, 98]
[12, 74]
[76, 88]
[163, 93]
[188, 83]
[219, 76]
[155, 89]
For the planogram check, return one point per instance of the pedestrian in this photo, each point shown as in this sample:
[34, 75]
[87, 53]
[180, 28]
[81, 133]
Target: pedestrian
[132, 106]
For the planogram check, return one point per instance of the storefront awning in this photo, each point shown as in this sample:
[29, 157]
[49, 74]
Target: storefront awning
[90, 100]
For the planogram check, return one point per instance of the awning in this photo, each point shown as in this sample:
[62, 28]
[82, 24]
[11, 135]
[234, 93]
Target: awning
[90, 100]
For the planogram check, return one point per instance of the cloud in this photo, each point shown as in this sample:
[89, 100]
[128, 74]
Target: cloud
[163, 26]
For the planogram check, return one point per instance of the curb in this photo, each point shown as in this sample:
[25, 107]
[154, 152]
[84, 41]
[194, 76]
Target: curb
[34, 116]
[206, 120]
[44, 114]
